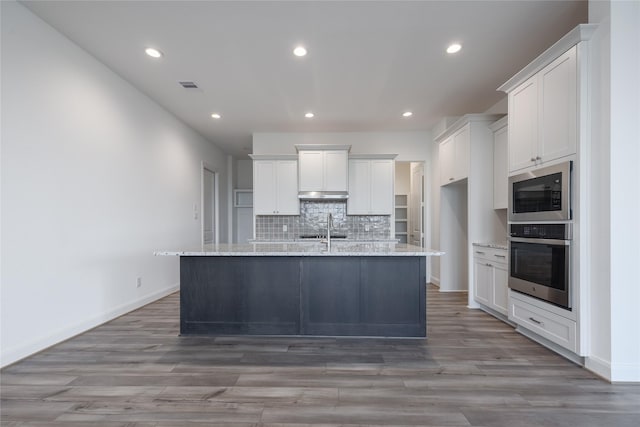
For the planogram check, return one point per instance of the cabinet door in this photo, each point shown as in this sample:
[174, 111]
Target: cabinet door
[499, 289]
[381, 187]
[461, 140]
[311, 170]
[523, 125]
[500, 169]
[359, 187]
[264, 187]
[335, 170]
[287, 188]
[482, 281]
[447, 157]
[558, 108]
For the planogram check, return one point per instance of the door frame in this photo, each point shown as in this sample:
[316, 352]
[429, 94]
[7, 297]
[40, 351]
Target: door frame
[216, 202]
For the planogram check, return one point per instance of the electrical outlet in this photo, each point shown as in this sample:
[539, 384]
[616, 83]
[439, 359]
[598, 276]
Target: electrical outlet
[366, 227]
[139, 282]
[284, 227]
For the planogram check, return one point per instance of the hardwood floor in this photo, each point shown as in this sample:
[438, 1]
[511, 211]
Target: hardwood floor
[473, 370]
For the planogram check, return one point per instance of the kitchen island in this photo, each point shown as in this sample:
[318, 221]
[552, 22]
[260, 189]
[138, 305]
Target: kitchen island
[354, 289]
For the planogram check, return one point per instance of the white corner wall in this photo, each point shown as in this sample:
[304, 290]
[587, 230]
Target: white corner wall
[625, 190]
[614, 350]
[95, 177]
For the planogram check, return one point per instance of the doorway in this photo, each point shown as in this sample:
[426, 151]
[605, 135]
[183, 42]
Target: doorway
[210, 191]
[416, 205]
[410, 203]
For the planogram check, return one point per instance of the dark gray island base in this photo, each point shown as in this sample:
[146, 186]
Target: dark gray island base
[303, 295]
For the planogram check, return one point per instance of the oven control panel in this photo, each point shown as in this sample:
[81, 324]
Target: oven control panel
[541, 231]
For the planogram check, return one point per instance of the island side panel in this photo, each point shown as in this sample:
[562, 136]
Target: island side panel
[239, 295]
[394, 296]
[364, 296]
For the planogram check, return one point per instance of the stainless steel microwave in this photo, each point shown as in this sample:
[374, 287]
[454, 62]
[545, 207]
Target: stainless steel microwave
[541, 194]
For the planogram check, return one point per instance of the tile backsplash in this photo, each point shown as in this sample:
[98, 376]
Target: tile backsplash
[313, 221]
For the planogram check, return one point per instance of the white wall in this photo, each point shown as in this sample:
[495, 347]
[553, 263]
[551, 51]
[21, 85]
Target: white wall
[615, 193]
[244, 174]
[409, 146]
[403, 178]
[95, 177]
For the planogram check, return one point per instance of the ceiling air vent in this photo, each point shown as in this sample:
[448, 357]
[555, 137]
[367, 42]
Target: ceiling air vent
[189, 85]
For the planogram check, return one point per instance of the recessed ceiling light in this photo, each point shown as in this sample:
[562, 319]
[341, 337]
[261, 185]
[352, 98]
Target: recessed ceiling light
[309, 115]
[216, 116]
[407, 114]
[299, 51]
[154, 53]
[453, 48]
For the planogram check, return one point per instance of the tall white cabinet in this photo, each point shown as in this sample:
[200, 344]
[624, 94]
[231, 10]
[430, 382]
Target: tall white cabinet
[500, 163]
[275, 185]
[466, 198]
[548, 123]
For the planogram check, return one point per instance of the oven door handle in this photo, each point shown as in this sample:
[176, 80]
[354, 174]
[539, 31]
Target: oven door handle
[541, 241]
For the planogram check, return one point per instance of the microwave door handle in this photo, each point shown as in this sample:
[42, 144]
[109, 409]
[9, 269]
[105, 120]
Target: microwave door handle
[541, 241]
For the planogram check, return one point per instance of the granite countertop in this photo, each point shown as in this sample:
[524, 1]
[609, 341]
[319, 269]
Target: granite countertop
[306, 249]
[493, 245]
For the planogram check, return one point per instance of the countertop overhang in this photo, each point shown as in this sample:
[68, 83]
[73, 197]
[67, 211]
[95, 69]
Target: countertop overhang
[305, 249]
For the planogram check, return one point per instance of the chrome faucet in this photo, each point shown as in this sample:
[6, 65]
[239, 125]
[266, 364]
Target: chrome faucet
[329, 225]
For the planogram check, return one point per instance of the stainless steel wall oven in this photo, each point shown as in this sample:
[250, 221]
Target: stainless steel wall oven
[540, 260]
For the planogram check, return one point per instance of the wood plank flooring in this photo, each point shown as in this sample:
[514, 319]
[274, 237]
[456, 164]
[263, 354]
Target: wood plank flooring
[472, 370]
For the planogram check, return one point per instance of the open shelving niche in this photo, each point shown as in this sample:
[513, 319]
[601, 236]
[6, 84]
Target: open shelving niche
[401, 217]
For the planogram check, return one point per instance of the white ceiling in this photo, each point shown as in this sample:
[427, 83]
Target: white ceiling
[367, 63]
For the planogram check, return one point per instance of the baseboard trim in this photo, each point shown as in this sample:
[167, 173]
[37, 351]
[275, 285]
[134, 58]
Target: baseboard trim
[15, 354]
[598, 366]
[435, 280]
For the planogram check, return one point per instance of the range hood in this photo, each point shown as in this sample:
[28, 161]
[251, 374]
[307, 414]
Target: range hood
[323, 195]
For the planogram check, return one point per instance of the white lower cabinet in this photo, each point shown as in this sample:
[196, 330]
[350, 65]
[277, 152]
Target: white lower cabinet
[490, 278]
[551, 326]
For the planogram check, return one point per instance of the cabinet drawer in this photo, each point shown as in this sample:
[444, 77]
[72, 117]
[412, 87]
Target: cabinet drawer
[490, 254]
[557, 329]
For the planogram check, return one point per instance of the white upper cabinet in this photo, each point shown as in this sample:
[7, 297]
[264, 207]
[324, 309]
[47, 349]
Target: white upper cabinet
[311, 170]
[500, 164]
[275, 187]
[323, 170]
[559, 107]
[370, 187]
[335, 170]
[523, 125]
[454, 157]
[447, 156]
[543, 115]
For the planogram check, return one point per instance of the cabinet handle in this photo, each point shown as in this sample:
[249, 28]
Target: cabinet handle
[480, 253]
[533, 159]
[488, 265]
[536, 321]
[499, 256]
[450, 179]
[538, 158]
